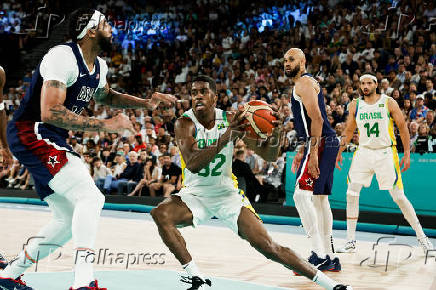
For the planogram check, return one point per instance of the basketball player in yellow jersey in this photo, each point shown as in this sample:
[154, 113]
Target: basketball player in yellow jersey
[205, 137]
[374, 115]
[5, 152]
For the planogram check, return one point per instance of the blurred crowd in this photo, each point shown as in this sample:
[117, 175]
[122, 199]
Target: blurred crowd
[341, 40]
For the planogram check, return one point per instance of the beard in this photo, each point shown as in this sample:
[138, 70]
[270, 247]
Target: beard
[368, 93]
[104, 43]
[293, 73]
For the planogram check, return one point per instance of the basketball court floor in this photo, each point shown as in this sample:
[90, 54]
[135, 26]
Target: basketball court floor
[132, 256]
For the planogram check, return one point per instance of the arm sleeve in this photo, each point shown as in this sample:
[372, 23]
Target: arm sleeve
[103, 73]
[59, 64]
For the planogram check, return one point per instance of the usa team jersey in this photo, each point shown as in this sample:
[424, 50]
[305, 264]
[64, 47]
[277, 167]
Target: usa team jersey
[42, 147]
[302, 121]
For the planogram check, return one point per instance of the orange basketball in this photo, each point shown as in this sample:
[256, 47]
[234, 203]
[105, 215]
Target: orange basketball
[260, 116]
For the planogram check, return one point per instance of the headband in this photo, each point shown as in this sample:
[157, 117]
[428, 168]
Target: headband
[368, 76]
[93, 22]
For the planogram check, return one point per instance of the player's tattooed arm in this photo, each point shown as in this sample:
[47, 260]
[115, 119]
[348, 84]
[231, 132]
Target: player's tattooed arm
[112, 98]
[53, 94]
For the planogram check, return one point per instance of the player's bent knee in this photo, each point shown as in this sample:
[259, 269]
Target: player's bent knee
[398, 195]
[354, 189]
[160, 215]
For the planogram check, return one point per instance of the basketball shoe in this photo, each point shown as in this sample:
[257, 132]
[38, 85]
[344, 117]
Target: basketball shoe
[342, 287]
[349, 247]
[92, 286]
[13, 284]
[196, 282]
[425, 244]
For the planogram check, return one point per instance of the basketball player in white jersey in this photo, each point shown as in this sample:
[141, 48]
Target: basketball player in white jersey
[205, 137]
[62, 85]
[374, 116]
[5, 152]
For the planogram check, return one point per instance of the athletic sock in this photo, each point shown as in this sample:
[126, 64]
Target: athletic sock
[192, 270]
[324, 281]
[83, 268]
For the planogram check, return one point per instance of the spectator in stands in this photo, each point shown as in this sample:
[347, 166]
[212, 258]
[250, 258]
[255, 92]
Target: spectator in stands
[75, 145]
[139, 144]
[420, 111]
[128, 178]
[430, 120]
[413, 128]
[107, 157]
[163, 137]
[246, 179]
[385, 88]
[175, 156]
[421, 142]
[99, 172]
[152, 174]
[170, 180]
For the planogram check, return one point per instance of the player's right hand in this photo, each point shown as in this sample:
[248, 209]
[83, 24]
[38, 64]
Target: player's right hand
[119, 123]
[339, 161]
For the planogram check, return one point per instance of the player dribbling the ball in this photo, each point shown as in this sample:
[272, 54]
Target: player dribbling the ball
[205, 137]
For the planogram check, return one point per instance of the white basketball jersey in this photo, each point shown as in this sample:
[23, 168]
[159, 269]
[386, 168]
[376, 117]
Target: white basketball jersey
[375, 124]
[218, 173]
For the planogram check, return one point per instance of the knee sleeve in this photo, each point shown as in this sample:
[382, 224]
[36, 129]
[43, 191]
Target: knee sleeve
[302, 197]
[354, 189]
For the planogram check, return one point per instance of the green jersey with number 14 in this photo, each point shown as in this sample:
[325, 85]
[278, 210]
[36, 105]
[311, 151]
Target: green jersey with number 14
[375, 124]
[218, 173]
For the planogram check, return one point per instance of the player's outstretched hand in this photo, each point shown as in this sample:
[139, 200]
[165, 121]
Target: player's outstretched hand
[236, 123]
[339, 161]
[405, 162]
[157, 98]
[119, 123]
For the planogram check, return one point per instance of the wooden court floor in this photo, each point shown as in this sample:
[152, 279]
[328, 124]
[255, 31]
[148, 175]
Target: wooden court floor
[220, 253]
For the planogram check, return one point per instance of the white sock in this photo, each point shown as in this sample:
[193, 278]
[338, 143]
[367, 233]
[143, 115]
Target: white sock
[325, 221]
[192, 270]
[352, 216]
[324, 281]
[83, 268]
[309, 219]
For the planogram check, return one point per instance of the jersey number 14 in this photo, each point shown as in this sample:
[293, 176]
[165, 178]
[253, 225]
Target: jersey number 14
[374, 129]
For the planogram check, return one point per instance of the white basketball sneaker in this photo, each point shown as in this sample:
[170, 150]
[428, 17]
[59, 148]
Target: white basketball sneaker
[425, 244]
[349, 247]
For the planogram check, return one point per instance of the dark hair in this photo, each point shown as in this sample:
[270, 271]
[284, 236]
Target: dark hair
[78, 20]
[239, 153]
[206, 79]
[95, 159]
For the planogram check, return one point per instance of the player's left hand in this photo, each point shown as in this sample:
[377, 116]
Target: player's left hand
[7, 157]
[405, 162]
[157, 98]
